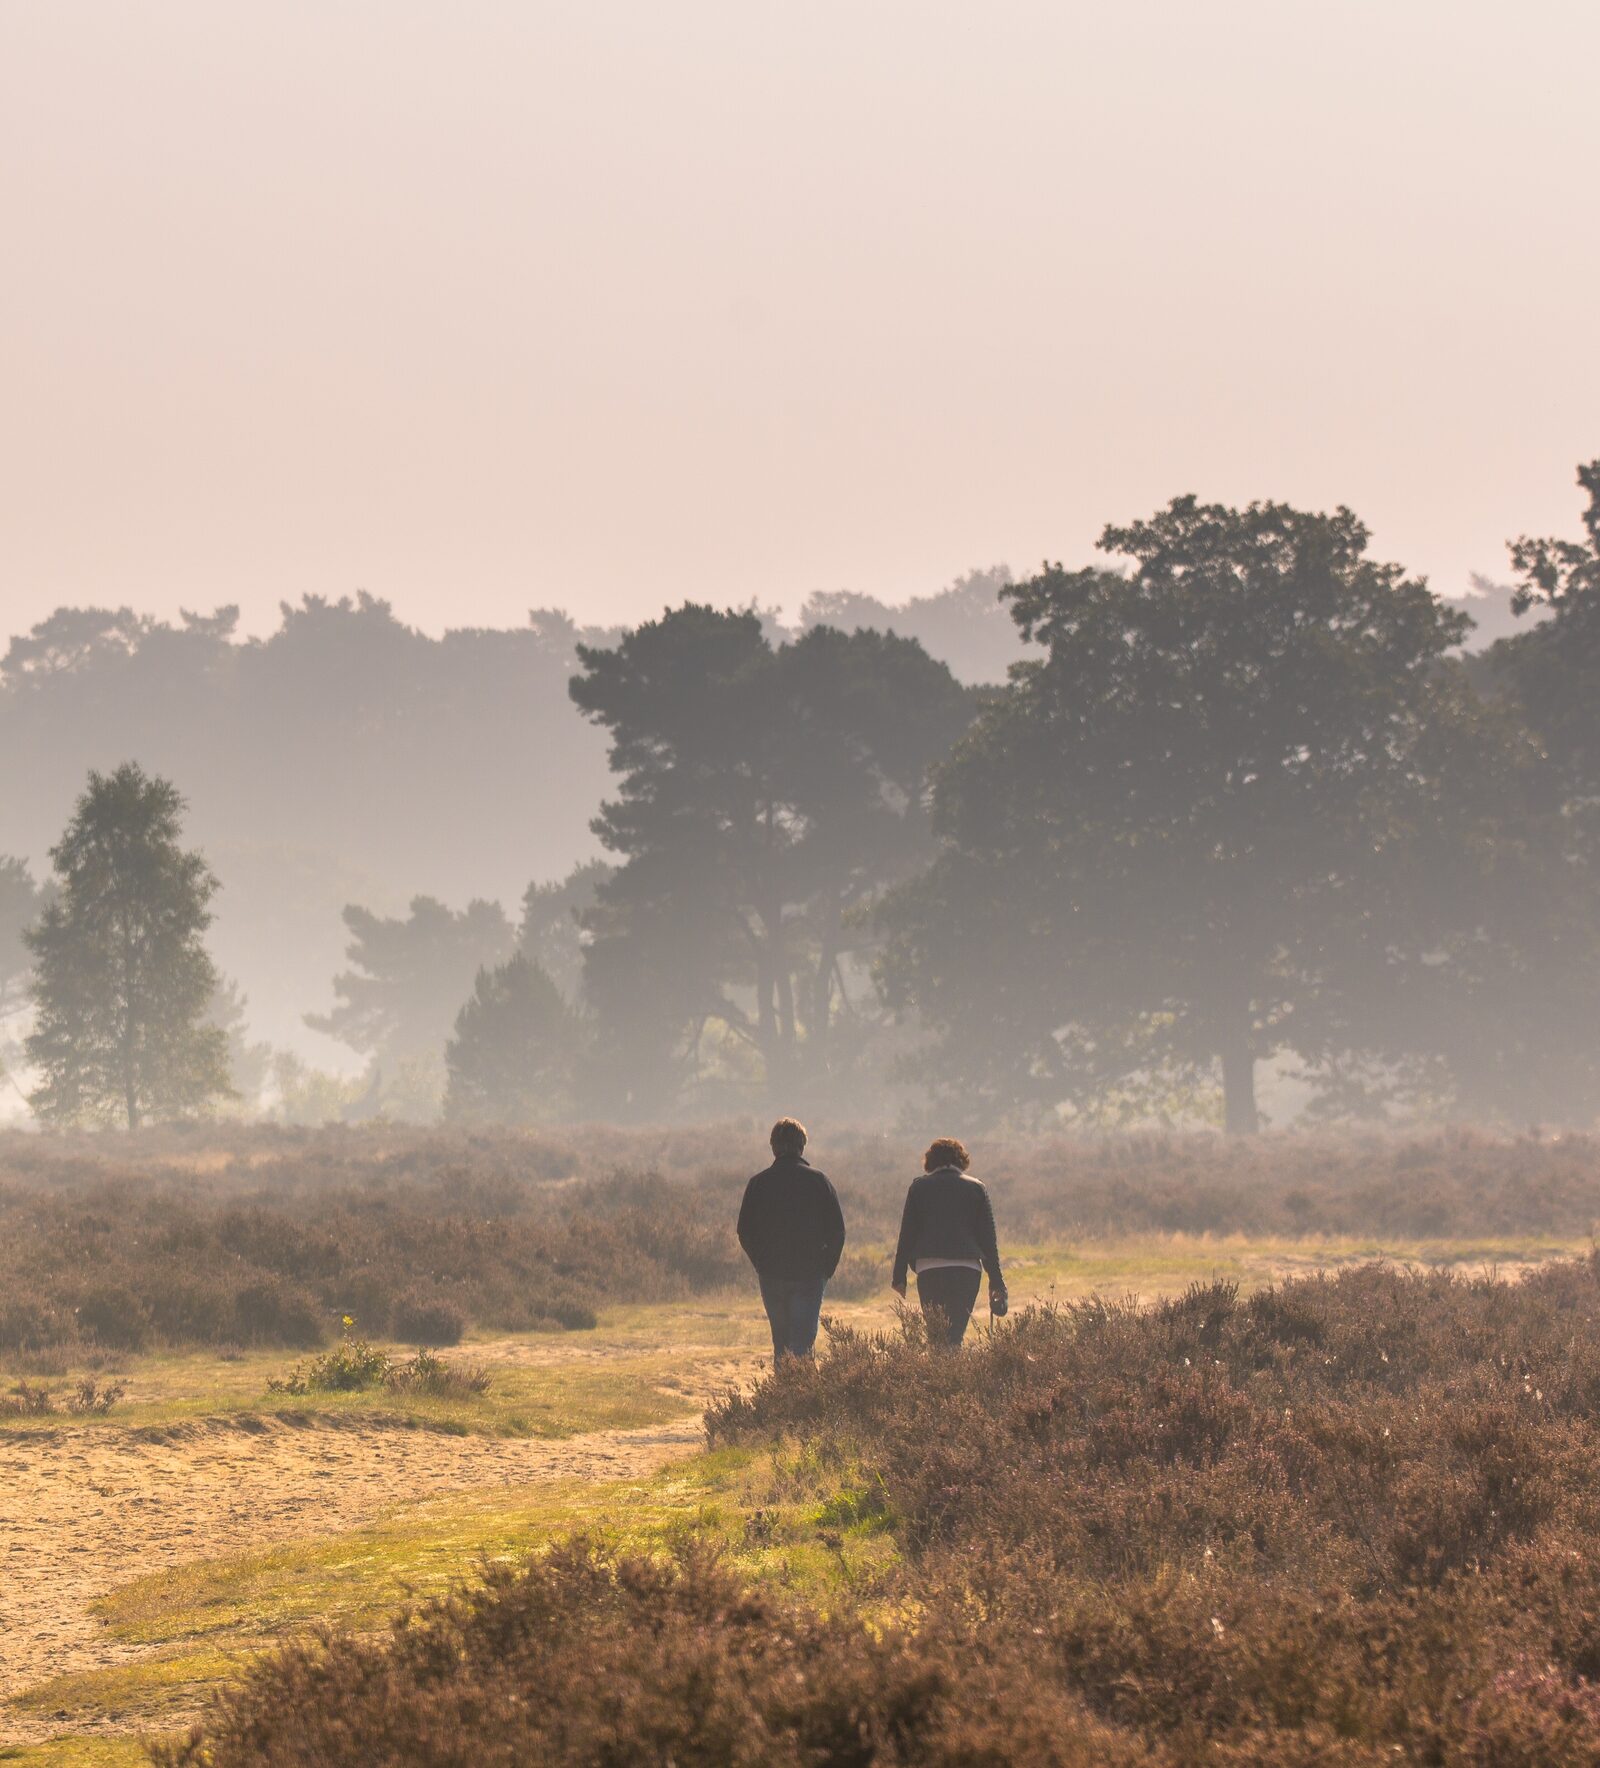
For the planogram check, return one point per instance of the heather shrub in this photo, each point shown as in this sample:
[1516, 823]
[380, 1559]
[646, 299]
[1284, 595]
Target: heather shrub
[112, 1314]
[267, 1235]
[583, 1659]
[421, 1318]
[90, 1399]
[1345, 1510]
[271, 1311]
[27, 1400]
[425, 1373]
[30, 1322]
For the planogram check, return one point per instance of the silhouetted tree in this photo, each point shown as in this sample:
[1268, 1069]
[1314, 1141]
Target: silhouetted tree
[551, 932]
[1147, 836]
[122, 979]
[965, 626]
[21, 902]
[767, 796]
[249, 1062]
[1555, 667]
[510, 1058]
[399, 999]
[1459, 978]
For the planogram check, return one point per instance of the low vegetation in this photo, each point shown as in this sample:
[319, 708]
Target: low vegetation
[353, 1366]
[241, 1237]
[1347, 1519]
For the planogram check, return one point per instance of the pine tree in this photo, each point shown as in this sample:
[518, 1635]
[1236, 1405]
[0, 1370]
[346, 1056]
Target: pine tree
[122, 980]
[510, 1060]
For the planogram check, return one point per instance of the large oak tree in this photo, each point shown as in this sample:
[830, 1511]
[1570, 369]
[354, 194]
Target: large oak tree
[1148, 839]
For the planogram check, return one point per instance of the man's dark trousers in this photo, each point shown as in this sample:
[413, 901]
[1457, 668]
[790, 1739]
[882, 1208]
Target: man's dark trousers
[794, 1306]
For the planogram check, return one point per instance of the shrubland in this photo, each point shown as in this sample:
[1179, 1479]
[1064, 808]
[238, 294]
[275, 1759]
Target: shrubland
[224, 1235]
[1346, 1520]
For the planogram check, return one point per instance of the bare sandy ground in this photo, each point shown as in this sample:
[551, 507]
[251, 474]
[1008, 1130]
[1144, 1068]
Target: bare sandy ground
[82, 1513]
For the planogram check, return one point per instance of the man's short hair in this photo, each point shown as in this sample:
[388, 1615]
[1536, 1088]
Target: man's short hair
[947, 1151]
[788, 1136]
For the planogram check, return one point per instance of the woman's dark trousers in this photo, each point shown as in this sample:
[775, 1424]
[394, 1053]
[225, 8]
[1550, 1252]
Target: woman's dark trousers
[793, 1306]
[949, 1292]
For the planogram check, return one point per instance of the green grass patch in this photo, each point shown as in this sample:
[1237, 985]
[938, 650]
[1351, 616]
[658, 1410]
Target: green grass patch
[533, 1400]
[78, 1752]
[133, 1693]
[807, 1524]
[1152, 1266]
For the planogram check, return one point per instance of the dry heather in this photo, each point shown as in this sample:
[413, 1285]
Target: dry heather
[1348, 1521]
[268, 1236]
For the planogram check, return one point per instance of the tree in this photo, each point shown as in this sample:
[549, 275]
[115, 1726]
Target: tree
[122, 980]
[767, 795]
[21, 902]
[510, 1059]
[249, 1063]
[965, 625]
[408, 977]
[1555, 668]
[1147, 837]
[551, 932]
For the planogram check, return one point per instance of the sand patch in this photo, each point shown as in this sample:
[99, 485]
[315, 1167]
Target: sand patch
[82, 1513]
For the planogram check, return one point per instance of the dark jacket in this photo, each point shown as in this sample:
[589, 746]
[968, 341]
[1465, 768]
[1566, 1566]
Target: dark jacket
[948, 1215]
[790, 1223]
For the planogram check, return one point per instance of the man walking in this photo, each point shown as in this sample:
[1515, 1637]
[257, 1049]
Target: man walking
[792, 1231]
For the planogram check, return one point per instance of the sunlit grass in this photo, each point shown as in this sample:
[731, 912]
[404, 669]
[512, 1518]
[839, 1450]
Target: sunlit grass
[78, 1752]
[809, 1525]
[165, 1393]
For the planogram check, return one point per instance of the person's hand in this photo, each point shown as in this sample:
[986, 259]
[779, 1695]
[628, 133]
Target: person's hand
[899, 1288]
[999, 1303]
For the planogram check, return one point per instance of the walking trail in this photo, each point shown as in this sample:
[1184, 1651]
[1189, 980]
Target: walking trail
[84, 1511]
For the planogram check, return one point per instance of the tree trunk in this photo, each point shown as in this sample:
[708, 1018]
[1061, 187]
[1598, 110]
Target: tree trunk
[822, 1005]
[1239, 1112]
[786, 1027]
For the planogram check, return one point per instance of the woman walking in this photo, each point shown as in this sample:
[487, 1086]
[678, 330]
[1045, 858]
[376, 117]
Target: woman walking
[947, 1237]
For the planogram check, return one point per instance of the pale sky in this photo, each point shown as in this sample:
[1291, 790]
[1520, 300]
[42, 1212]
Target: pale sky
[480, 307]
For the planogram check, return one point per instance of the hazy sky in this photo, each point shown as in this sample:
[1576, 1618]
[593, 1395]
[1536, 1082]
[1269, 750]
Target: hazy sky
[481, 307]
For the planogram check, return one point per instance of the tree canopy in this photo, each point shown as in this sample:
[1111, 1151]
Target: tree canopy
[407, 978]
[511, 1056]
[1148, 837]
[122, 979]
[767, 795]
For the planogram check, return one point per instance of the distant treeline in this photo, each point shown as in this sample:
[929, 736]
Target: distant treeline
[1244, 804]
[350, 758]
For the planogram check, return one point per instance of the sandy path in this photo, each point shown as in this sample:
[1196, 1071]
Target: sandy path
[83, 1512]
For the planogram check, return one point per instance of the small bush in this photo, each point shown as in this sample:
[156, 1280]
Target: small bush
[113, 1315]
[30, 1323]
[270, 1311]
[90, 1399]
[351, 1366]
[421, 1318]
[860, 1276]
[27, 1401]
[354, 1366]
[427, 1374]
